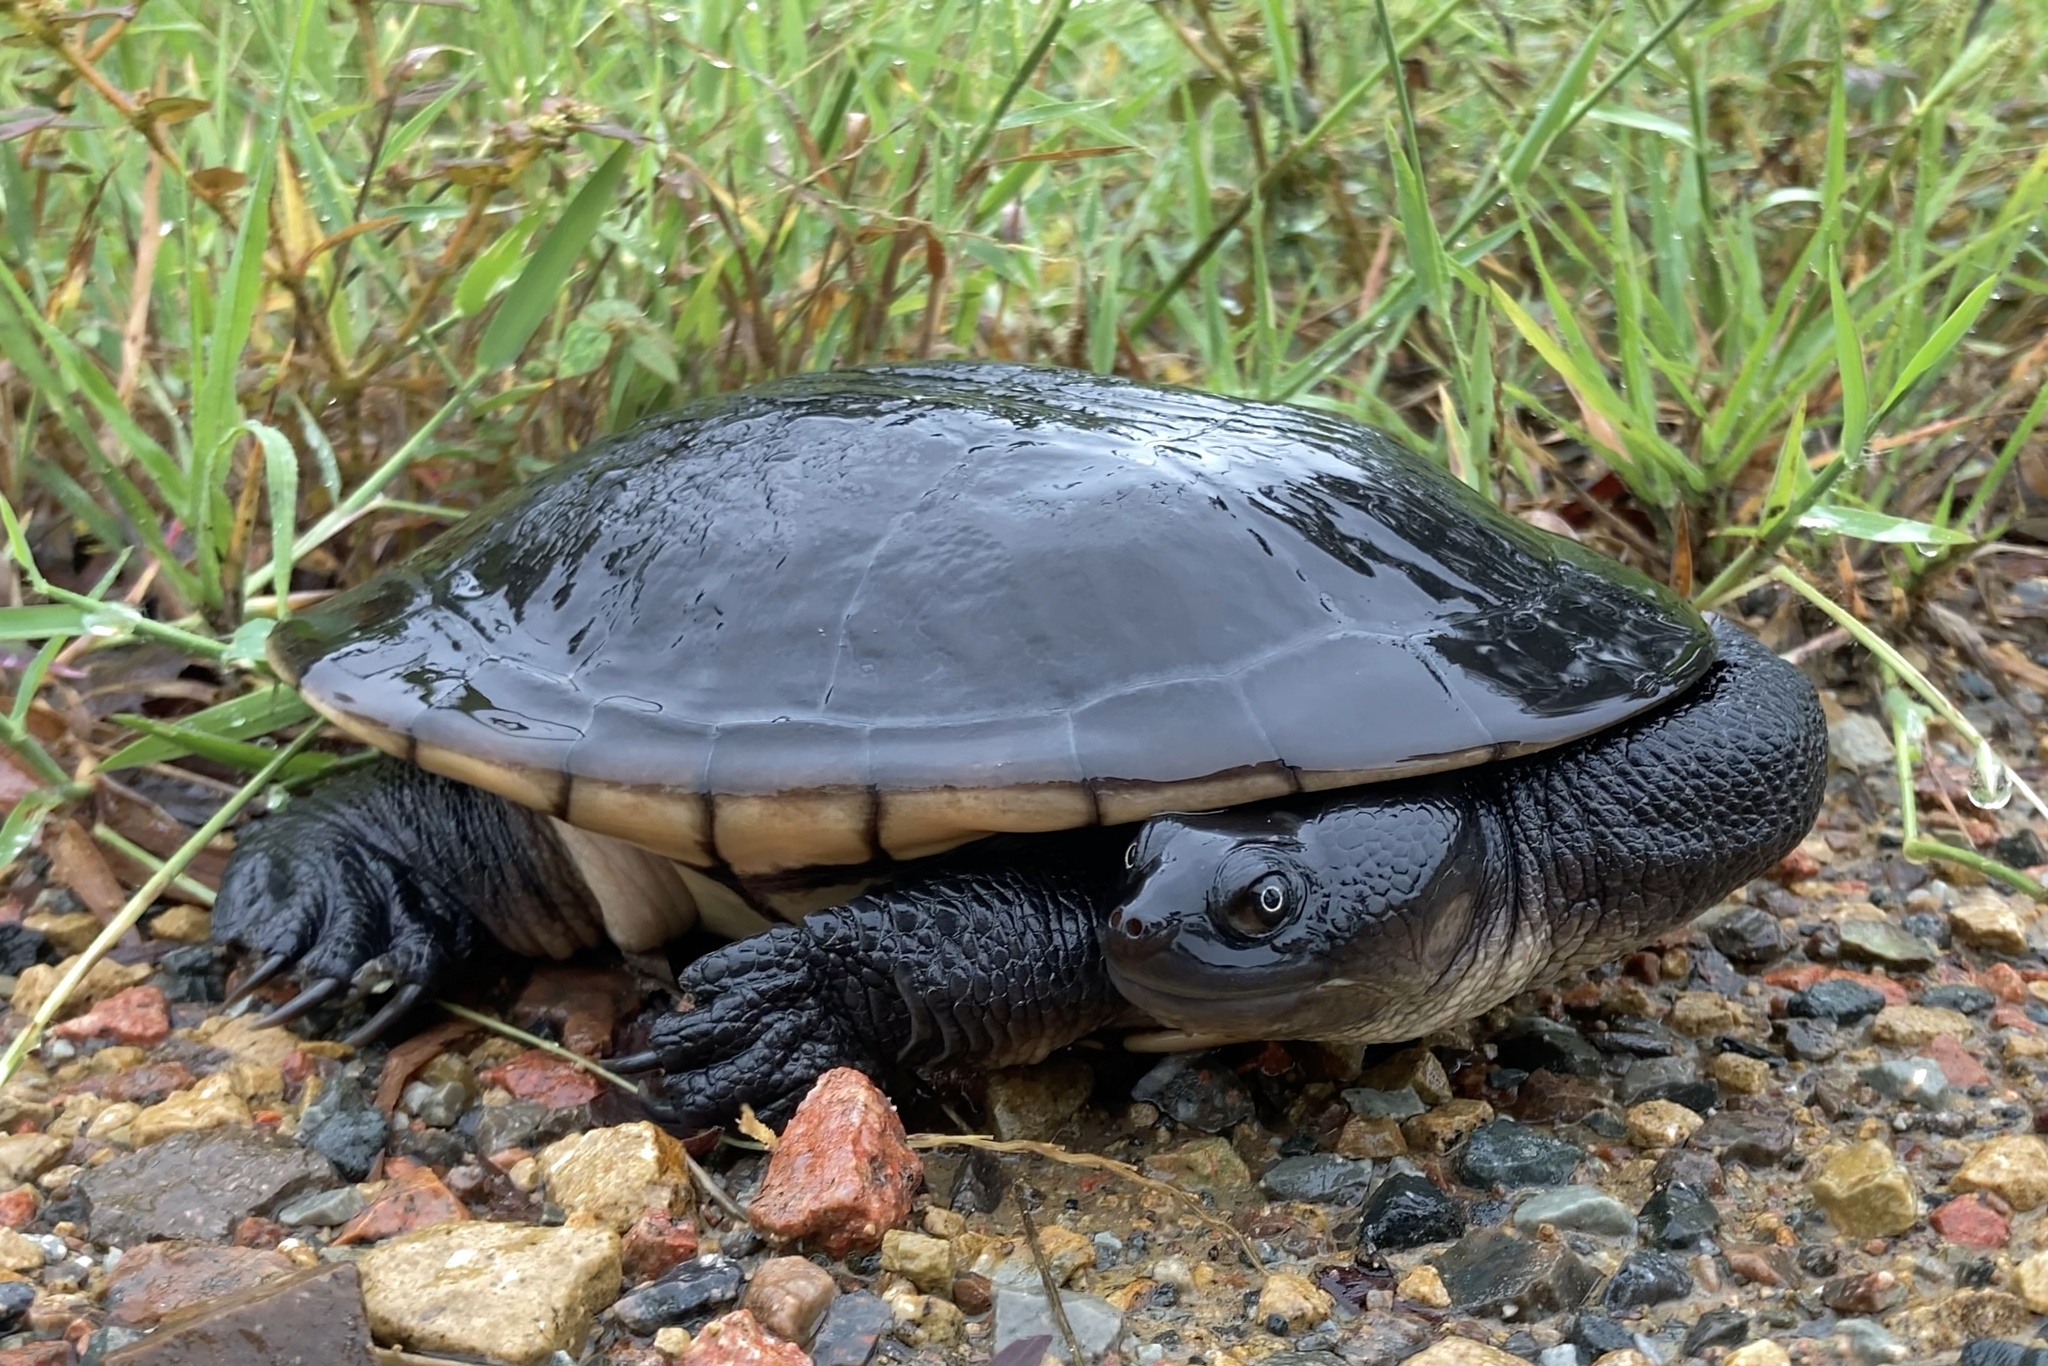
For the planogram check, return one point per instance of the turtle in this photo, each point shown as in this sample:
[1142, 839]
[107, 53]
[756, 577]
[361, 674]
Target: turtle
[977, 707]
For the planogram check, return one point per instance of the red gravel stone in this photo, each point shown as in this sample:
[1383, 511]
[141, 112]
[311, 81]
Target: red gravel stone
[136, 1016]
[256, 1231]
[535, 1075]
[1796, 866]
[842, 1174]
[18, 1207]
[1970, 1222]
[2004, 981]
[2012, 1017]
[736, 1340]
[416, 1199]
[38, 1354]
[1958, 1063]
[655, 1243]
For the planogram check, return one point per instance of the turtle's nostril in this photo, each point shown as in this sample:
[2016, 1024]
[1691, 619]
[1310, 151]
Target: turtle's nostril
[1134, 927]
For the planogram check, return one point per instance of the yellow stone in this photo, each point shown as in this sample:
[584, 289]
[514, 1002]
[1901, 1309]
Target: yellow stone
[1627, 1356]
[183, 925]
[507, 1292]
[1416, 1067]
[24, 1157]
[1987, 920]
[926, 1262]
[1457, 1351]
[1294, 1300]
[2014, 1167]
[1661, 1124]
[1866, 1192]
[1760, 1353]
[1741, 1076]
[1916, 1026]
[106, 978]
[1441, 1129]
[1424, 1286]
[19, 1253]
[209, 1105]
[2030, 1278]
[615, 1175]
[71, 931]
[1706, 1012]
[672, 1341]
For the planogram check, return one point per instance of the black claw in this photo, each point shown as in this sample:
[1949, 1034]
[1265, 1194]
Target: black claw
[317, 994]
[402, 1000]
[265, 970]
[649, 1061]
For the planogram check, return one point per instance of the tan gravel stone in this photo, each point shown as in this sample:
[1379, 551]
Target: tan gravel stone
[1763, 1353]
[24, 1157]
[1916, 1026]
[70, 931]
[1204, 1164]
[1441, 1129]
[1986, 920]
[2014, 1167]
[1423, 1285]
[1627, 1356]
[209, 1105]
[926, 1261]
[1741, 1076]
[19, 1253]
[1295, 1300]
[2030, 1278]
[672, 1341]
[1457, 1351]
[1866, 1192]
[106, 978]
[183, 925]
[1416, 1067]
[615, 1175]
[1700, 1013]
[1661, 1124]
[1371, 1137]
[510, 1292]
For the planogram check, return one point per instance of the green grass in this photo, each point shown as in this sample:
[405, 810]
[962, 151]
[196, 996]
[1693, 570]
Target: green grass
[290, 286]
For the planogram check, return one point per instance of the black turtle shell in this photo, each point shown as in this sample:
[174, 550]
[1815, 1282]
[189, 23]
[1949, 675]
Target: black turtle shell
[874, 613]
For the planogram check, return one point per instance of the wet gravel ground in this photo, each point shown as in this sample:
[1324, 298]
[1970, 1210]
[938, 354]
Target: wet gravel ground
[1803, 1129]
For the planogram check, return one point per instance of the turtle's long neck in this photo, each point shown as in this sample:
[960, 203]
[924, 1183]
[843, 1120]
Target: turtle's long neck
[1632, 833]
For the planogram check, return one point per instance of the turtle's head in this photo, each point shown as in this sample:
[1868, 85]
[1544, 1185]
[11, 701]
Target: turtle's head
[1303, 921]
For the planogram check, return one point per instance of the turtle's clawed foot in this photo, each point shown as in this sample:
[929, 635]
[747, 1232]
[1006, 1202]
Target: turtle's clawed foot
[329, 909]
[758, 1030]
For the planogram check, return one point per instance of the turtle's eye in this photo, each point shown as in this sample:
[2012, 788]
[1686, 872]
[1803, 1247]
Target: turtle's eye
[1131, 855]
[1263, 905]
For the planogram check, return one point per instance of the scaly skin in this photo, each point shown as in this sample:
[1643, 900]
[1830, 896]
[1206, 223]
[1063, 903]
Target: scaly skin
[1403, 907]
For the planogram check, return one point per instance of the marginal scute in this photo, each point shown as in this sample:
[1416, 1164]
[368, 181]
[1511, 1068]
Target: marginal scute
[1122, 803]
[774, 834]
[669, 820]
[917, 824]
[541, 789]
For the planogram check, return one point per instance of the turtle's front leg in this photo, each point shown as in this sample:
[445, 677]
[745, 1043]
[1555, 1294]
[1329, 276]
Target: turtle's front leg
[391, 875]
[990, 962]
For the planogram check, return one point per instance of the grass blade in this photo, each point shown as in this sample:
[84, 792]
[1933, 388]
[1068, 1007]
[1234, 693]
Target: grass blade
[533, 294]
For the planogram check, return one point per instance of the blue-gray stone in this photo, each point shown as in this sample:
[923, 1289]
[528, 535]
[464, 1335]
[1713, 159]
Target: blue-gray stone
[1837, 999]
[1646, 1278]
[1504, 1153]
[1408, 1211]
[344, 1127]
[1318, 1179]
[1581, 1209]
[324, 1209]
[1370, 1104]
[1023, 1313]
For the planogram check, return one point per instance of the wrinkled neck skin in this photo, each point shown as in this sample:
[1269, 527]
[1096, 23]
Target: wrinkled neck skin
[1411, 906]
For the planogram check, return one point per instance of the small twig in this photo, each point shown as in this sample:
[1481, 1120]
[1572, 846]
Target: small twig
[717, 1193]
[1052, 1152]
[113, 839]
[535, 1041]
[1052, 1291]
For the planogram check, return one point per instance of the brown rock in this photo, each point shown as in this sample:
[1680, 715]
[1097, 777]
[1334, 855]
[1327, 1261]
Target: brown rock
[24, 1157]
[543, 1077]
[314, 1315]
[38, 1354]
[842, 1174]
[1987, 920]
[1947, 1324]
[788, 1296]
[136, 1016]
[157, 1279]
[1295, 1302]
[976, 1293]
[1417, 1067]
[1457, 1351]
[735, 1339]
[1371, 1137]
[1741, 1076]
[183, 925]
[415, 1200]
[1203, 1164]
